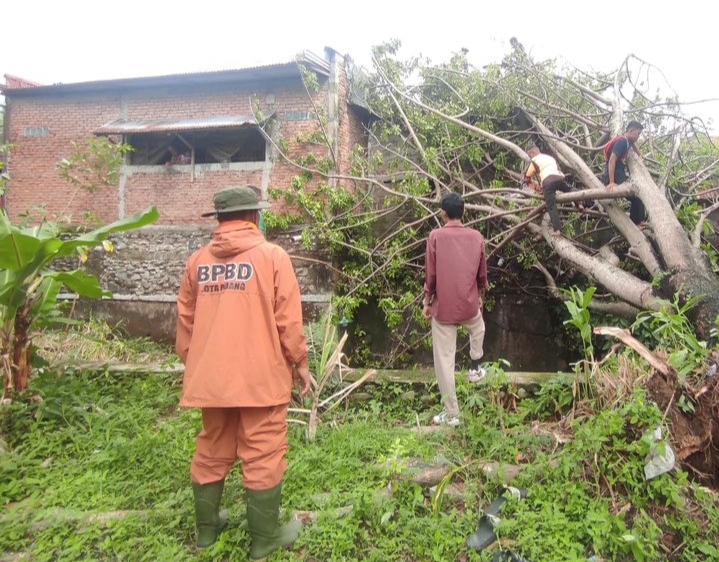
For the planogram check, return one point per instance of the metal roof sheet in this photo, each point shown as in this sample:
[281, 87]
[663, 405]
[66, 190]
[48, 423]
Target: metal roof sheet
[249, 74]
[125, 126]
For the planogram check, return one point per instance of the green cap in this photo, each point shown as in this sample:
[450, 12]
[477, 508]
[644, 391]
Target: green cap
[236, 199]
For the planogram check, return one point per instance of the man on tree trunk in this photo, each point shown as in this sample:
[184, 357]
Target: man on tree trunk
[551, 180]
[615, 173]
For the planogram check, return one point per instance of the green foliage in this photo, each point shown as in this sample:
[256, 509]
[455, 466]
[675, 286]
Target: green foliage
[565, 518]
[95, 162]
[579, 316]
[25, 255]
[93, 340]
[670, 329]
[346, 226]
[29, 287]
[373, 219]
[104, 443]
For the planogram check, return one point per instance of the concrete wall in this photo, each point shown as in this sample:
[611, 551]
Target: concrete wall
[528, 332]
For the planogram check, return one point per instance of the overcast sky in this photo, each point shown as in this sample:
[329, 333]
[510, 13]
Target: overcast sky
[81, 40]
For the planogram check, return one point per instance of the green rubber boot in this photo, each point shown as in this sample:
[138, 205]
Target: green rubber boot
[263, 513]
[208, 517]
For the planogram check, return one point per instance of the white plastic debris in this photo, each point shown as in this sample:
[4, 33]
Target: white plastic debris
[660, 458]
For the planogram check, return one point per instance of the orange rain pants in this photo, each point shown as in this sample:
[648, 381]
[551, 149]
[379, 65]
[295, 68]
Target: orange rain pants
[256, 436]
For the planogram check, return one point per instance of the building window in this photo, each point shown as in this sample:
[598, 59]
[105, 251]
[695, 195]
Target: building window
[36, 131]
[242, 144]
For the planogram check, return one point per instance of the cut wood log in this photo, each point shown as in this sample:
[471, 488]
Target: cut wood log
[421, 472]
[627, 339]
[451, 492]
[507, 472]
[424, 429]
[429, 473]
[430, 476]
[15, 557]
[119, 367]
[310, 516]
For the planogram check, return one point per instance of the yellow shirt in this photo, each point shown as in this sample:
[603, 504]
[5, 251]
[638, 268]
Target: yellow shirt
[545, 166]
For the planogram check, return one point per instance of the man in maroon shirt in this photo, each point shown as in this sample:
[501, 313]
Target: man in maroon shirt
[455, 281]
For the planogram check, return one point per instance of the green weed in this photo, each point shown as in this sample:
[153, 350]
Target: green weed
[98, 469]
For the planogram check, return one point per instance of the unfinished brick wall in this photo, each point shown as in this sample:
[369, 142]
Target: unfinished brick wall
[43, 128]
[41, 133]
[352, 132]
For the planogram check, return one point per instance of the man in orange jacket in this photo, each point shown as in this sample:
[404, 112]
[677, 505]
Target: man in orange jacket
[241, 338]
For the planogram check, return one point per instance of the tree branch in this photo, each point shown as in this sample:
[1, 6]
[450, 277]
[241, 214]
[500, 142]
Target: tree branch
[697, 234]
[636, 292]
[621, 309]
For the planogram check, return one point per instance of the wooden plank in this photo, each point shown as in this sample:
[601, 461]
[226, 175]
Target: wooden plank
[523, 379]
[392, 375]
[528, 378]
[426, 376]
[119, 367]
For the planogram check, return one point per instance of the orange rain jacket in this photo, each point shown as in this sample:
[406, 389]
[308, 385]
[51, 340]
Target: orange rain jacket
[239, 325]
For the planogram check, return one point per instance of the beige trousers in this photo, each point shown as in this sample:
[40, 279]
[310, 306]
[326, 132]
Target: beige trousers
[444, 347]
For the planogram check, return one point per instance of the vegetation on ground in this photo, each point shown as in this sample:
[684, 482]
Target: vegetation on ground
[93, 340]
[96, 467]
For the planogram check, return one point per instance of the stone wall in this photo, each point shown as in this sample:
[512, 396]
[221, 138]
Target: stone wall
[144, 269]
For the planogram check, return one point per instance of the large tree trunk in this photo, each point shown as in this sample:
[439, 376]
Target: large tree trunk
[687, 268]
[634, 291]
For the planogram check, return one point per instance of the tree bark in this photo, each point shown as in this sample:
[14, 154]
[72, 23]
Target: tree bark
[687, 267]
[616, 308]
[629, 288]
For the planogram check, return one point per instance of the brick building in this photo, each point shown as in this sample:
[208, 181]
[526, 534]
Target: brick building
[193, 134]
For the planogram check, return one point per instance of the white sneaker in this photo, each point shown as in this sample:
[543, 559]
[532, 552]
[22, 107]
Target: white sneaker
[443, 418]
[476, 375]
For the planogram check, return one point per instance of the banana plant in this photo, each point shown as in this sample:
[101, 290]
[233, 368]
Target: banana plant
[29, 286]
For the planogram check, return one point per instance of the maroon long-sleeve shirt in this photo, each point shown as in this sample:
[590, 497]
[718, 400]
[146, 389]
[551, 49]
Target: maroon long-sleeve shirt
[455, 272]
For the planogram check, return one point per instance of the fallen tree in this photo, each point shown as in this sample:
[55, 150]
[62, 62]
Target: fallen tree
[454, 127]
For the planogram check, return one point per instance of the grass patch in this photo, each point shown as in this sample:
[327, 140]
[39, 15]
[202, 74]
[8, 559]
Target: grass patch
[99, 470]
[95, 340]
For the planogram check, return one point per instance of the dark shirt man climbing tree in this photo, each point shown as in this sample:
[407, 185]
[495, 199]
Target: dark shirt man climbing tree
[615, 172]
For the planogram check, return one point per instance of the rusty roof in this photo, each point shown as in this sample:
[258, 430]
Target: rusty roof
[283, 70]
[124, 126]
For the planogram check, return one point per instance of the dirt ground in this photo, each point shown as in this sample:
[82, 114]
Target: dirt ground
[694, 435]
